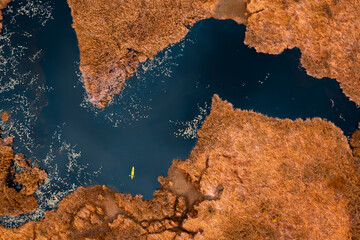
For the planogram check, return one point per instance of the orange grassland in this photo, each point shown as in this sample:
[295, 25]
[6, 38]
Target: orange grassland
[248, 177]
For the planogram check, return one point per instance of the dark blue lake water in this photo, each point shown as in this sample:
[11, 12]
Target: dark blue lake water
[155, 118]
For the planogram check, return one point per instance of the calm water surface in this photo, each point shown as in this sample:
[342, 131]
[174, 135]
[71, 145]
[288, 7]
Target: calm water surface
[154, 119]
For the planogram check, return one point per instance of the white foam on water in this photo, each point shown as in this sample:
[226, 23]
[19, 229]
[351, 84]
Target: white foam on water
[133, 100]
[188, 129]
[23, 95]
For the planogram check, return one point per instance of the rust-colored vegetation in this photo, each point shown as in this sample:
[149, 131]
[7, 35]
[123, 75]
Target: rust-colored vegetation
[116, 35]
[5, 116]
[326, 31]
[248, 177]
[354, 208]
[18, 181]
[3, 5]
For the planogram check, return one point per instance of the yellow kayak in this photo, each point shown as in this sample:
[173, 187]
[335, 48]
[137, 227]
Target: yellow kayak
[132, 172]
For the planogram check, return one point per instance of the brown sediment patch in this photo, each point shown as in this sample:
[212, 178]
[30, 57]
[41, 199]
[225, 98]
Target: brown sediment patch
[248, 177]
[5, 116]
[178, 183]
[231, 9]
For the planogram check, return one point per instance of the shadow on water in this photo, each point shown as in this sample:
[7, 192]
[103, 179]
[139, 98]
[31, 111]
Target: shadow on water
[146, 125]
